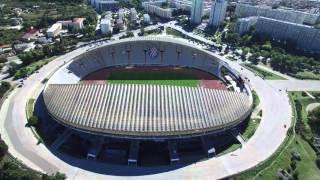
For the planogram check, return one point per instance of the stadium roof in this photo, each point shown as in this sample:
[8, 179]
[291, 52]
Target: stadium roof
[145, 110]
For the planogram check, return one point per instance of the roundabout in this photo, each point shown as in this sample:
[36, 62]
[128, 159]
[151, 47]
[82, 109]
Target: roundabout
[265, 141]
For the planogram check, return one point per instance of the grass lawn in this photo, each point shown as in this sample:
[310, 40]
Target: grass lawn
[31, 68]
[262, 73]
[174, 32]
[155, 78]
[306, 168]
[251, 128]
[306, 75]
[30, 106]
[231, 148]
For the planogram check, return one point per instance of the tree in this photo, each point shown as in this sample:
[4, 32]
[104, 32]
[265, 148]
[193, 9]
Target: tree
[3, 59]
[318, 161]
[56, 176]
[141, 31]
[267, 46]
[314, 115]
[254, 59]
[12, 68]
[33, 121]
[3, 148]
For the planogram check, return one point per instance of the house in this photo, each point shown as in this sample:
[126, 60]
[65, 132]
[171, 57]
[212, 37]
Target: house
[32, 34]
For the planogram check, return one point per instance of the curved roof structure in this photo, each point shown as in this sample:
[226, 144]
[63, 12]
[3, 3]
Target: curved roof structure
[145, 110]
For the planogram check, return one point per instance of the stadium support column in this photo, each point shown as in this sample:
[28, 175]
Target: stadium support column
[61, 139]
[96, 148]
[133, 153]
[209, 150]
[173, 153]
[219, 69]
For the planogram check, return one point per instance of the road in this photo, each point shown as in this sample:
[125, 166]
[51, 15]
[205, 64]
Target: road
[268, 137]
[296, 85]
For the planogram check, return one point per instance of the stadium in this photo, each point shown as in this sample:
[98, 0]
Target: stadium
[135, 100]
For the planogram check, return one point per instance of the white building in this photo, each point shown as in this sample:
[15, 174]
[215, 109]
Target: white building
[105, 26]
[120, 24]
[244, 10]
[105, 5]
[302, 36]
[187, 4]
[218, 12]
[196, 11]
[146, 18]
[121, 14]
[133, 14]
[243, 25]
[154, 7]
[54, 30]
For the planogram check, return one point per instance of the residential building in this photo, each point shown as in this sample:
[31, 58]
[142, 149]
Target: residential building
[105, 26]
[218, 12]
[243, 25]
[121, 14]
[146, 18]
[154, 7]
[54, 30]
[32, 34]
[133, 14]
[78, 23]
[105, 5]
[120, 24]
[290, 15]
[302, 36]
[187, 4]
[196, 11]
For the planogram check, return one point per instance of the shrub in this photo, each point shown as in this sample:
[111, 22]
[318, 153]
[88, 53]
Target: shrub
[296, 175]
[318, 161]
[293, 165]
[33, 121]
[3, 149]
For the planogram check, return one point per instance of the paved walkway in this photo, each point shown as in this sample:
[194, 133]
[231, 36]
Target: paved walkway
[296, 85]
[268, 137]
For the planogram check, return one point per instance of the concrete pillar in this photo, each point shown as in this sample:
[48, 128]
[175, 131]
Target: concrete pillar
[208, 149]
[173, 153]
[95, 148]
[133, 153]
[61, 139]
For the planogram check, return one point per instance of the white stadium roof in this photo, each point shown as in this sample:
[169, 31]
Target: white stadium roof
[145, 110]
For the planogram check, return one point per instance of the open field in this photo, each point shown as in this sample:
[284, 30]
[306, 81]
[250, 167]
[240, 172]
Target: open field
[262, 73]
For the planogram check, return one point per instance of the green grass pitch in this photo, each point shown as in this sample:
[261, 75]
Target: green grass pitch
[154, 78]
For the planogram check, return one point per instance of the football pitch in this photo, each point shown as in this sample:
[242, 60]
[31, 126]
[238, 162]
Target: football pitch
[155, 78]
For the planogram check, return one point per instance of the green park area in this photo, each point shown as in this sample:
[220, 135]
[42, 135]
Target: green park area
[297, 157]
[262, 73]
[154, 78]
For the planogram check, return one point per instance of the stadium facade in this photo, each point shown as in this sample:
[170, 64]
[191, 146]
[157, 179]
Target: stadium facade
[143, 112]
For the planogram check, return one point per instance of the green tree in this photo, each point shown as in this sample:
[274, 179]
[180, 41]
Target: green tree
[267, 46]
[33, 121]
[3, 148]
[3, 59]
[314, 115]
